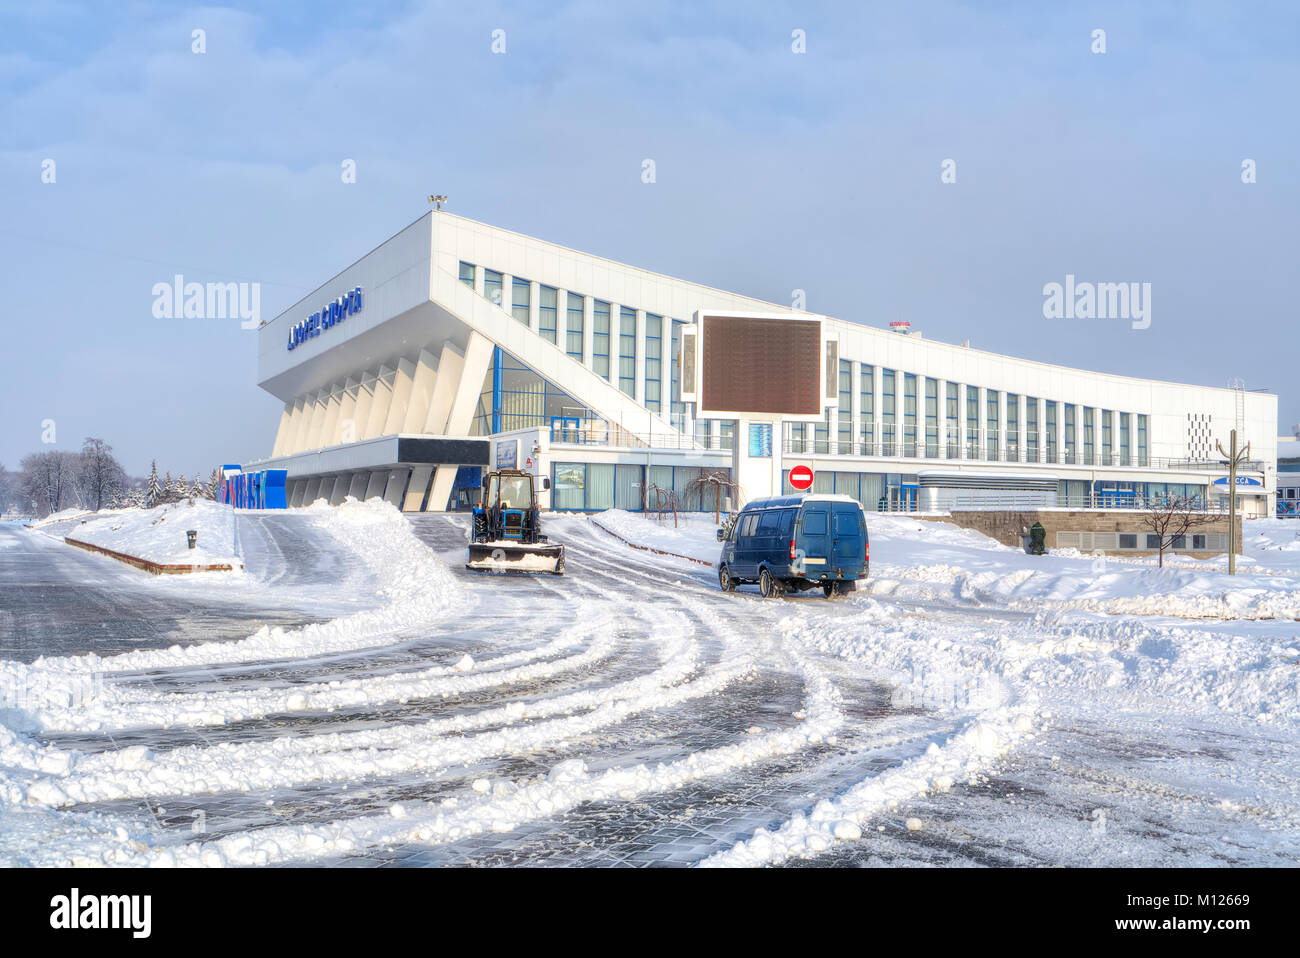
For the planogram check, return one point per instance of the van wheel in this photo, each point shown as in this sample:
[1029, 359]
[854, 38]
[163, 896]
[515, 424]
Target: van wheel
[767, 585]
[727, 583]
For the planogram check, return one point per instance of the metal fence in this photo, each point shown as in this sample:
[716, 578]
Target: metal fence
[972, 453]
[1013, 502]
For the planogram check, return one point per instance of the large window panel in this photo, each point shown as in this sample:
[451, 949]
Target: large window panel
[992, 425]
[888, 412]
[520, 290]
[654, 344]
[573, 322]
[600, 338]
[547, 312]
[867, 419]
[569, 485]
[931, 418]
[492, 286]
[600, 486]
[627, 351]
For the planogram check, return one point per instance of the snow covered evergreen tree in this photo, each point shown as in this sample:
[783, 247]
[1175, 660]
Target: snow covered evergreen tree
[152, 491]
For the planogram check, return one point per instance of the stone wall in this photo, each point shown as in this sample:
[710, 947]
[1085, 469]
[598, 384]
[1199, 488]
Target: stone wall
[1010, 527]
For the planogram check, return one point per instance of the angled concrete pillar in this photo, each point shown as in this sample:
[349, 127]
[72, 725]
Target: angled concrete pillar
[282, 433]
[376, 485]
[298, 426]
[383, 399]
[365, 398]
[315, 421]
[422, 388]
[417, 487]
[340, 489]
[451, 367]
[312, 492]
[401, 397]
[330, 432]
[395, 488]
[357, 487]
[348, 429]
[478, 360]
[296, 492]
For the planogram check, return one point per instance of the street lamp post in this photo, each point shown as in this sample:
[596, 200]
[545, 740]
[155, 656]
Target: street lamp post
[1235, 459]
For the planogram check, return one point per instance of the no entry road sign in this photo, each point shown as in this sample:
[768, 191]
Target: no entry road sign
[801, 477]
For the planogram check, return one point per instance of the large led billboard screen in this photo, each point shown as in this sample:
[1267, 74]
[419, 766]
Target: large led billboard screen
[755, 365]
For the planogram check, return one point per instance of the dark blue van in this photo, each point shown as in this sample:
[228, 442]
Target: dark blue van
[795, 543]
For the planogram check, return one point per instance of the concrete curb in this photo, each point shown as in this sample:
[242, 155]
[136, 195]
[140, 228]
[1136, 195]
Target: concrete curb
[661, 552]
[157, 568]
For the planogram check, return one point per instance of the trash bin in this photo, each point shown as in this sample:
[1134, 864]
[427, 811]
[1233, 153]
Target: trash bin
[192, 537]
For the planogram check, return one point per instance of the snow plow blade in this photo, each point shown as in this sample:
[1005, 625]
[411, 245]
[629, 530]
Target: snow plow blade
[515, 558]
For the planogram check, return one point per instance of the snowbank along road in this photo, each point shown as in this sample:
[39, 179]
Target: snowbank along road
[355, 697]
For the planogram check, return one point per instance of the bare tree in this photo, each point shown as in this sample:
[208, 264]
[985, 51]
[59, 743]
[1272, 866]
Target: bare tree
[9, 497]
[717, 480]
[1170, 518]
[49, 480]
[664, 499]
[100, 476]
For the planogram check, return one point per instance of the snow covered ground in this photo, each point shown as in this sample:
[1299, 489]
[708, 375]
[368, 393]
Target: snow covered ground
[1100, 648]
[161, 534]
[971, 704]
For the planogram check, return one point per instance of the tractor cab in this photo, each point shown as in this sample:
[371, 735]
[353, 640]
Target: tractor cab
[507, 531]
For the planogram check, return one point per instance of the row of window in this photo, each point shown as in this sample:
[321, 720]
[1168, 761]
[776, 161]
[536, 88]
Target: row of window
[595, 486]
[902, 418]
[605, 328]
[1141, 541]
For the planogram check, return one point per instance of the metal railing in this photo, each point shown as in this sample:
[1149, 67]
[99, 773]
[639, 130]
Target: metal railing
[1013, 502]
[601, 433]
[897, 449]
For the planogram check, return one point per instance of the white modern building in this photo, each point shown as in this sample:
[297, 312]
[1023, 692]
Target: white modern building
[456, 345]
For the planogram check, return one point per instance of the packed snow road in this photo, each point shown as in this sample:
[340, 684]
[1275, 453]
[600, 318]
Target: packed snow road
[400, 710]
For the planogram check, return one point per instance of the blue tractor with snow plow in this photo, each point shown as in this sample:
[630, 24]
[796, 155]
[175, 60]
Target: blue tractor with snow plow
[506, 535]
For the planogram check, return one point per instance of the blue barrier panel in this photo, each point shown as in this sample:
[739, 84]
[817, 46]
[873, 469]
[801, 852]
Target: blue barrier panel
[260, 489]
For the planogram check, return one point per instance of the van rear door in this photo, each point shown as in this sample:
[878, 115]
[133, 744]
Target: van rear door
[848, 542]
[814, 537]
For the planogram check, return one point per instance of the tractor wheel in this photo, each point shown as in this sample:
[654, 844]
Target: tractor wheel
[479, 531]
[725, 581]
[768, 587]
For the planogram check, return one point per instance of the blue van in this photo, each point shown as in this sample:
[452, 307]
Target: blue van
[796, 543]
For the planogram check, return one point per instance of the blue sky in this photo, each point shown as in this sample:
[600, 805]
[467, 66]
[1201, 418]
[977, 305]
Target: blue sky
[775, 171]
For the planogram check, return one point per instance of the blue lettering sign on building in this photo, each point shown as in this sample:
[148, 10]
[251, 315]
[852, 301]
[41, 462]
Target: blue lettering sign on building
[329, 315]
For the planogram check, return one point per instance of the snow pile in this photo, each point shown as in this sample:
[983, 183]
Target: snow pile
[694, 536]
[71, 692]
[159, 534]
[63, 515]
